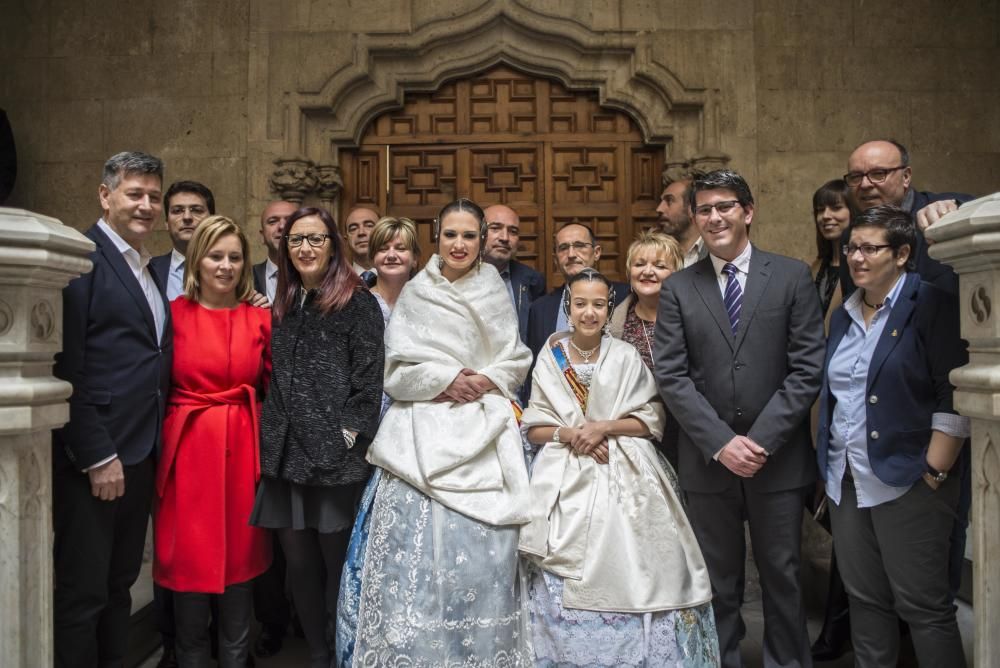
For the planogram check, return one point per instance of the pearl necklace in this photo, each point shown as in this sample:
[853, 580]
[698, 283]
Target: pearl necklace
[585, 354]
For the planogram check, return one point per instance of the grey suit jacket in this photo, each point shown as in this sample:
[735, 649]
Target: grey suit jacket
[760, 383]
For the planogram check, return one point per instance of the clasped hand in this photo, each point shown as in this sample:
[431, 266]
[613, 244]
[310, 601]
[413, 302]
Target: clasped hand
[589, 440]
[743, 456]
[467, 386]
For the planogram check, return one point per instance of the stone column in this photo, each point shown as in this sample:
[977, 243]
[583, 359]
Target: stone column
[38, 256]
[969, 240]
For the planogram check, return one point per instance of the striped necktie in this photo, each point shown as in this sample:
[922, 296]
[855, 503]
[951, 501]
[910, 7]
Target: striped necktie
[734, 295]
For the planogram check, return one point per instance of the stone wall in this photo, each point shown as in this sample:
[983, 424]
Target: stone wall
[205, 84]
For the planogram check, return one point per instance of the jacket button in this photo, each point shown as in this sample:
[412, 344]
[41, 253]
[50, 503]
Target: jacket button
[873, 399]
[739, 412]
[874, 435]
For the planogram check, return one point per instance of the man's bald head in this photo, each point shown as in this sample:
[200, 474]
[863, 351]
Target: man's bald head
[503, 235]
[878, 172]
[272, 225]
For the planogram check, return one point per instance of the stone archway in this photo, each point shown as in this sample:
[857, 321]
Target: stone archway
[314, 122]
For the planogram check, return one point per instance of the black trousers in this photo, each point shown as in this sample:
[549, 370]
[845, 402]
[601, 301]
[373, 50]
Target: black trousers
[191, 614]
[97, 548]
[270, 602]
[775, 521]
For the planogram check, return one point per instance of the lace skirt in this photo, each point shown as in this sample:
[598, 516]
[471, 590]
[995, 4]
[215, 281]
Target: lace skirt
[564, 638]
[427, 586]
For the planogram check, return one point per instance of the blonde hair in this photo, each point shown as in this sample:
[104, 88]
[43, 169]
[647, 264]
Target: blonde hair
[205, 236]
[663, 243]
[388, 228]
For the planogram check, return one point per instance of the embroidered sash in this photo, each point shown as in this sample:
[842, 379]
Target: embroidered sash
[580, 391]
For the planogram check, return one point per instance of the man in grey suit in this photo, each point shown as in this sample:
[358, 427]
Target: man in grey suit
[738, 359]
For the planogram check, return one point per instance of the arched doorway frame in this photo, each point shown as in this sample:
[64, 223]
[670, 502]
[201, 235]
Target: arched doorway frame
[617, 64]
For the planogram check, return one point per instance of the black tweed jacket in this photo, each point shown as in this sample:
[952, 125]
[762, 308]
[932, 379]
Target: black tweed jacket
[327, 376]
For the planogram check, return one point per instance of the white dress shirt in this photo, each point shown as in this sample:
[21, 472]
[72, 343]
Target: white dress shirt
[694, 253]
[742, 264]
[270, 280]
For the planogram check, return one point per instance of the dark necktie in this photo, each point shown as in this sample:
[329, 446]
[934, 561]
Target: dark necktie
[734, 295]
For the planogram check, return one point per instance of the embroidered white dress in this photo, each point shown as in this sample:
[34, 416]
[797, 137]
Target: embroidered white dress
[432, 577]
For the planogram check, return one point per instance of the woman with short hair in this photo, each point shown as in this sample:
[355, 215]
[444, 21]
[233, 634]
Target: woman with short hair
[888, 438]
[207, 474]
[320, 415]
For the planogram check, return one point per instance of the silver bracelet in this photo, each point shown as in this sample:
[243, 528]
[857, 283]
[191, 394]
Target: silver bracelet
[555, 435]
[349, 438]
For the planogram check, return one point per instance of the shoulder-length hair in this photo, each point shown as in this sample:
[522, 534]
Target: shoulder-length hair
[205, 236]
[832, 193]
[388, 228]
[338, 285]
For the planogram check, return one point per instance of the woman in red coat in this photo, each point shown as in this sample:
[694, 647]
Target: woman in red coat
[208, 472]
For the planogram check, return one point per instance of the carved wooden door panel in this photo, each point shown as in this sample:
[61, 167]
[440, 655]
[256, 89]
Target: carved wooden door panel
[553, 155]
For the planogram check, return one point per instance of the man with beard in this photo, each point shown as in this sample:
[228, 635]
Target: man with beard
[503, 235]
[675, 215]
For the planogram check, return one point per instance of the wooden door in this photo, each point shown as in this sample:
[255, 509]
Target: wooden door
[554, 156]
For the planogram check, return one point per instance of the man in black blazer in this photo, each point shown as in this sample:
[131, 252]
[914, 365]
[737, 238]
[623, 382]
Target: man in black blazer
[272, 230]
[185, 204]
[503, 235]
[738, 357]
[117, 351]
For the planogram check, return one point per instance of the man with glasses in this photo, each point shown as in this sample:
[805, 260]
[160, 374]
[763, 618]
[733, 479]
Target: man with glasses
[878, 172]
[525, 285]
[738, 358]
[185, 204]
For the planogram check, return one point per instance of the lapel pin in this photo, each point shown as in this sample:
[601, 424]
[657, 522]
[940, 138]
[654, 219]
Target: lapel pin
[894, 332]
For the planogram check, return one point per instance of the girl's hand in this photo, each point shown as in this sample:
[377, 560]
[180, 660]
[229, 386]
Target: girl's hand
[588, 437]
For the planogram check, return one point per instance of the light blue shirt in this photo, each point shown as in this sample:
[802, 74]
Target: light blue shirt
[562, 321]
[848, 378]
[175, 276]
[505, 275]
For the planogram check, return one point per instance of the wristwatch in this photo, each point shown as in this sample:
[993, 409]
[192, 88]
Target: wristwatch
[937, 476]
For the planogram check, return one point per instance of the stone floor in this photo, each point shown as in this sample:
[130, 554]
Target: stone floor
[294, 653]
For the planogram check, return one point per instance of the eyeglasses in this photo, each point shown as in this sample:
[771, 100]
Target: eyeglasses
[315, 240]
[724, 207]
[867, 250]
[578, 246]
[877, 175]
[195, 209]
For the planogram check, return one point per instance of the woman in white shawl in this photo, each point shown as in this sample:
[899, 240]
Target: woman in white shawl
[439, 568]
[620, 578]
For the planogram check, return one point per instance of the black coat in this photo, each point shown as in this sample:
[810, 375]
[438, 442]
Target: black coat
[326, 376]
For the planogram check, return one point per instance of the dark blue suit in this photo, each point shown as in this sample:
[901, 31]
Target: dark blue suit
[528, 285]
[908, 379]
[160, 265]
[120, 375]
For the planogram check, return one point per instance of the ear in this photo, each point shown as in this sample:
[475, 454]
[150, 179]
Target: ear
[907, 176]
[597, 253]
[748, 217]
[902, 255]
[104, 194]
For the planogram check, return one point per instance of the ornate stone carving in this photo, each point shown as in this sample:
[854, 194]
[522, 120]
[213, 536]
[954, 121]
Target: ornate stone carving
[293, 178]
[329, 182]
[6, 317]
[43, 321]
[618, 64]
[980, 304]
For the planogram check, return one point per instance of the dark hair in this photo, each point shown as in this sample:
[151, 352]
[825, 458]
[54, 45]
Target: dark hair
[831, 194]
[130, 162]
[721, 179]
[590, 231]
[900, 230]
[589, 274]
[193, 187]
[340, 282]
[465, 205]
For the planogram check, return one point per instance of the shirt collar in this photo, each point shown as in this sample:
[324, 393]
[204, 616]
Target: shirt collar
[696, 247]
[142, 255]
[907, 203]
[270, 268]
[176, 259]
[853, 303]
[741, 261]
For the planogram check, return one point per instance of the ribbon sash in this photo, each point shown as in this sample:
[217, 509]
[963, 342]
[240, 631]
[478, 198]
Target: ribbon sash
[580, 391]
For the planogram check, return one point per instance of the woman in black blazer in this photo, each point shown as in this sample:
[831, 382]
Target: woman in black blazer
[888, 436]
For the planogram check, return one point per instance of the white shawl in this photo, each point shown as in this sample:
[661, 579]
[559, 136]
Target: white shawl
[466, 456]
[617, 533]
